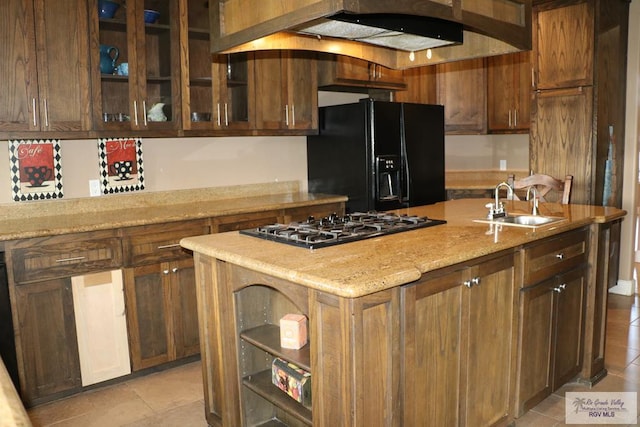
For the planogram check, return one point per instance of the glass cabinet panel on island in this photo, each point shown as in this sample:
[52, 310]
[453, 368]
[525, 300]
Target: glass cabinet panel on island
[136, 65]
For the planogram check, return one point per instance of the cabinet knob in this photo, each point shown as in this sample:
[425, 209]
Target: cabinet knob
[473, 282]
[560, 256]
[166, 271]
[560, 288]
[174, 270]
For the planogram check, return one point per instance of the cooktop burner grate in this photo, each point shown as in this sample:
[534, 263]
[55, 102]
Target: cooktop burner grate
[334, 229]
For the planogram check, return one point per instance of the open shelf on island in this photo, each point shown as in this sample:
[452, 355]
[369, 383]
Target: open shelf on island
[267, 338]
[261, 384]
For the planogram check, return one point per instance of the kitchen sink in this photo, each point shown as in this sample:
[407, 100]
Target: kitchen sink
[529, 221]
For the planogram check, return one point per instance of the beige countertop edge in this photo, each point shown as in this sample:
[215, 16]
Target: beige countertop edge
[138, 216]
[382, 263]
[12, 411]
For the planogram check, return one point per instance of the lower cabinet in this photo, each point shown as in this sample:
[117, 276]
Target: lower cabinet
[458, 345]
[160, 292]
[161, 312]
[553, 302]
[552, 327]
[48, 346]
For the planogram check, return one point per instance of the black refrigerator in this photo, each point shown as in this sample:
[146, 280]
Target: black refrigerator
[382, 155]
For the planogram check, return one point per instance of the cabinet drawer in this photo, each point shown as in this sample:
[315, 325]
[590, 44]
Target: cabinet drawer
[244, 221]
[64, 256]
[159, 242]
[554, 255]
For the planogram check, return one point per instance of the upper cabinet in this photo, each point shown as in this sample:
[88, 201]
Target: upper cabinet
[270, 92]
[234, 91]
[45, 82]
[196, 66]
[339, 71]
[421, 86]
[580, 62]
[563, 44]
[509, 93]
[462, 89]
[146, 96]
[286, 90]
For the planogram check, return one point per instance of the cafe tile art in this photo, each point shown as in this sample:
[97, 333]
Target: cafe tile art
[36, 171]
[121, 167]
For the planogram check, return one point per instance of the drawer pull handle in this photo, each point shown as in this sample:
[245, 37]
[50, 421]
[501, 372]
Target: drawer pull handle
[173, 245]
[560, 256]
[76, 258]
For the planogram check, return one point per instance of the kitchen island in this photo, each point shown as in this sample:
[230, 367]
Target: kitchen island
[436, 326]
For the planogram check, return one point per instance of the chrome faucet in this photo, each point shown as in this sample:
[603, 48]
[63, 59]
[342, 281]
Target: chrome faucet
[535, 199]
[497, 210]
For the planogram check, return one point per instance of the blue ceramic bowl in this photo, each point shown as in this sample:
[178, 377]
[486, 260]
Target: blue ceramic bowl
[151, 16]
[106, 8]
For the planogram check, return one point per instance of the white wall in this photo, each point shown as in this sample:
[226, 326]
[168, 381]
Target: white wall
[630, 179]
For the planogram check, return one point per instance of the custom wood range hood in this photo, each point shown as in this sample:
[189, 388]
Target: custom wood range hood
[488, 27]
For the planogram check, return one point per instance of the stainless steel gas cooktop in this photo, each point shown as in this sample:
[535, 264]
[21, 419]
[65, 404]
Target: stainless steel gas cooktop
[334, 229]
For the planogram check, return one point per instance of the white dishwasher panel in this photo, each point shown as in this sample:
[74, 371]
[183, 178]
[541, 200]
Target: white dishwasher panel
[98, 301]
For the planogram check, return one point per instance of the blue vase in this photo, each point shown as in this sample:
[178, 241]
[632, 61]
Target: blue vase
[108, 57]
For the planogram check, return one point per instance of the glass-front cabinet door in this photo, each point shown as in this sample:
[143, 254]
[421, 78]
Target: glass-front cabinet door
[136, 65]
[197, 89]
[234, 91]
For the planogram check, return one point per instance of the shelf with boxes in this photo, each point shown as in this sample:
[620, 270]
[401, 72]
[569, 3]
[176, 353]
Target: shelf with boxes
[268, 322]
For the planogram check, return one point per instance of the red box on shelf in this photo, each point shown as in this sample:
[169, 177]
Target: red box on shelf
[291, 379]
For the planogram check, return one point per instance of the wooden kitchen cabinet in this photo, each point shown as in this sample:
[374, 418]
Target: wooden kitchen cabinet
[196, 66]
[460, 373]
[45, 79]
[565, 115]
[341, 71]
[462, 89]
[552, 309]
[605, 255]
[152, 51]
[421, 86]
[40, 271]
[509, 93]
[160, 293]
[551, 336]
[563, 44]
[286, 91]
[161, 312]
[234, 91]
[47, 347]
[579, 59]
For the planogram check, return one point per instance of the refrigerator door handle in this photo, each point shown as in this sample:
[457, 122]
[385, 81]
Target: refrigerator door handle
[405, 195]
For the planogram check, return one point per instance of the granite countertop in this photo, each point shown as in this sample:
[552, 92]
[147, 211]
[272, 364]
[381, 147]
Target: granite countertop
[40, 219]
[12, 412]
[368, 266]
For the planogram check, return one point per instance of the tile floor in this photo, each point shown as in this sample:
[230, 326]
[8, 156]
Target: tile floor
[174, 398]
